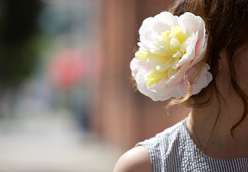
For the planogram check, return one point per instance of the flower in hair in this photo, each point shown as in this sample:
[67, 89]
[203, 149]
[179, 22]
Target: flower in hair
[170, 55]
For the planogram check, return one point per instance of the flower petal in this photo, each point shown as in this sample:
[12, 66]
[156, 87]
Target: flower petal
[164, 21]
[192, 24]
[204, 78]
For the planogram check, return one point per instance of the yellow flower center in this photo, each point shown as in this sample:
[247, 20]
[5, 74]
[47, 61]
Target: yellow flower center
[173, 50]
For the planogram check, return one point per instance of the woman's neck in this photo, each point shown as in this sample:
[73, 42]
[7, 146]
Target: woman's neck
[210, 127]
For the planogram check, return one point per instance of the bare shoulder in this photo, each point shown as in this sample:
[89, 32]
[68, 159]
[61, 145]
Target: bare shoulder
[134, 160]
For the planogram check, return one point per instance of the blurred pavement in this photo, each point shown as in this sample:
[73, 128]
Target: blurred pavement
[54, 144]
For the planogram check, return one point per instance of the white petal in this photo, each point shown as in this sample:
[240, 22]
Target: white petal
[152, 28]
[146, 26]
[141, 86]
[164, 21]
[190, 51]
[146, 33]
[204, 78]
[192, 24]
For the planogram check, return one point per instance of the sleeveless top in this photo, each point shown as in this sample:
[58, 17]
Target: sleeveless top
[173, 150]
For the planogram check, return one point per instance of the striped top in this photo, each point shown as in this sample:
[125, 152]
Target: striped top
[173, 150]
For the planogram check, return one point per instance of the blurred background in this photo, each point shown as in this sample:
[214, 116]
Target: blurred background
[67, 102]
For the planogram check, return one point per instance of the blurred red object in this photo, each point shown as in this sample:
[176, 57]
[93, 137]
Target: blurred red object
[68, 68]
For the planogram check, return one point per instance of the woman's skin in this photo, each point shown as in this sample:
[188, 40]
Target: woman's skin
[221, 144]
[217, 143]
[134, 160]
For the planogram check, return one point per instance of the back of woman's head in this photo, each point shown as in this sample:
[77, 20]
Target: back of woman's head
[226, 27]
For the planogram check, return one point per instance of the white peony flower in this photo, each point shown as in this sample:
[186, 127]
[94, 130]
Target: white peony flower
[170, 49]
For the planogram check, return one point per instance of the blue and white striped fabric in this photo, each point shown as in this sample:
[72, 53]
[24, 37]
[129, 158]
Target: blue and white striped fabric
[173, 150]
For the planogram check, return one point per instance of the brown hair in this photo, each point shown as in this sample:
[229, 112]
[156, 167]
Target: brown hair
[226, 26]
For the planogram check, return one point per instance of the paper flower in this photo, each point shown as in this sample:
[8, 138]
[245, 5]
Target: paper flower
[170, 50]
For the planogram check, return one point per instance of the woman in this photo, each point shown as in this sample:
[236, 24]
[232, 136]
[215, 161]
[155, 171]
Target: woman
[214, 135]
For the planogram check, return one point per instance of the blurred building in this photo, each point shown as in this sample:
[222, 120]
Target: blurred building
[122, 115]
[72, 66]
